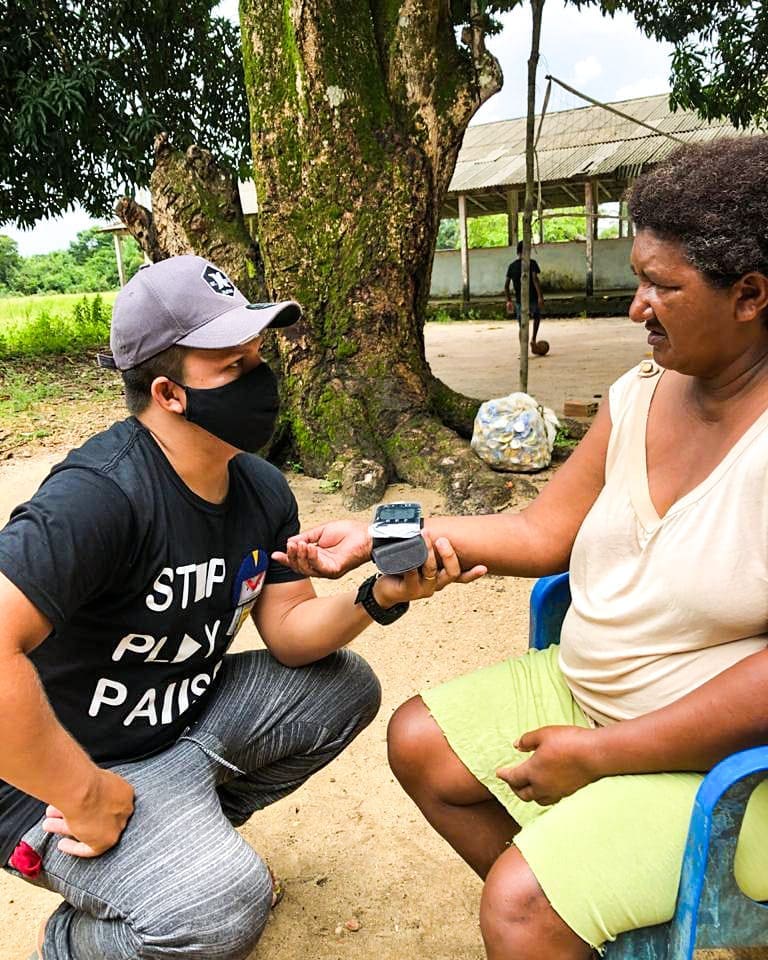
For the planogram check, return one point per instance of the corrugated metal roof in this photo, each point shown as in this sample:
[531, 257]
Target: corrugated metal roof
[575, 144]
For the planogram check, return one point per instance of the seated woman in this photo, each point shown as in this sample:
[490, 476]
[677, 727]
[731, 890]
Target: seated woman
[565, 777]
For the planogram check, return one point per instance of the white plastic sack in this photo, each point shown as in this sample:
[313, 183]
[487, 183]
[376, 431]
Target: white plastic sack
[515, 433]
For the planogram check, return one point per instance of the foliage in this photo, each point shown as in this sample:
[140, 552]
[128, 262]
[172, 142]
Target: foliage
[448, 235]
[87, 266]
[16, 311]
[568, 227]
[18, 394]
[10, 261]
[720, 56]
[86, 327]
[96, 82]
[491, 231]
[85, 87]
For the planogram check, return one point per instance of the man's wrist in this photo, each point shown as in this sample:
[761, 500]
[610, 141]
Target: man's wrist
[379, 595]
[368, 543]
[376, 611]
[80, 793]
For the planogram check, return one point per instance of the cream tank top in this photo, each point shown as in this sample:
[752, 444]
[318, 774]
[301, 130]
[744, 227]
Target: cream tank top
[661, 605]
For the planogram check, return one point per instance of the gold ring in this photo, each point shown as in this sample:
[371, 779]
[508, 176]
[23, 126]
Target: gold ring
[429, 578]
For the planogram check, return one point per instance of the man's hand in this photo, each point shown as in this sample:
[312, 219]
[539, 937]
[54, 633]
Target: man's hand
[329, 551]
[562, 762]
[97, 823]
[439, 569]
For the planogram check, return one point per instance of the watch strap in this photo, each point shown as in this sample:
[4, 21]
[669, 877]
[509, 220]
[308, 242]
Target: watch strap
[382, 615]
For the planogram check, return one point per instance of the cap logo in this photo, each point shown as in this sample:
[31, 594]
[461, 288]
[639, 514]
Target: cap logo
[218, 282]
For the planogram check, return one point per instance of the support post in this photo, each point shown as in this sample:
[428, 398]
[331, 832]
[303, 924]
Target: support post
[630, 227]
[537, 7]
[596, 202]
[622, 217]
[513, 209]
[589, 211]
[118, 241]
[464, 245]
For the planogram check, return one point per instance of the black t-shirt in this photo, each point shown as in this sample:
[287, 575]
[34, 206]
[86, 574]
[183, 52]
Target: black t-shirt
[146, 585]
[515, 272]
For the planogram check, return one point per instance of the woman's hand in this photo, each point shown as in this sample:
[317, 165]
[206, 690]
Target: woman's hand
[439, 569]
[329, 551]
[563, 761]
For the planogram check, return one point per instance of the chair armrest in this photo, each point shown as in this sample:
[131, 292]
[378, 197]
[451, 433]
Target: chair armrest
[711, 910]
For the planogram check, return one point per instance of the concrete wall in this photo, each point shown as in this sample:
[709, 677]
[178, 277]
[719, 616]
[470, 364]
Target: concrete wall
[563, 268]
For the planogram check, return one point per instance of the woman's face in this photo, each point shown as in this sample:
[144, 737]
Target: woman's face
[691, 324]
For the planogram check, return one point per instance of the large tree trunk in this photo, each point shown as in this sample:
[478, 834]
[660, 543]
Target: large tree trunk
[357, 115]
[195, 209]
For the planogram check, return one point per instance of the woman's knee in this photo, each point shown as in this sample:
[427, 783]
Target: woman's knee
[410, 734]
[516, 919]
[421, 758]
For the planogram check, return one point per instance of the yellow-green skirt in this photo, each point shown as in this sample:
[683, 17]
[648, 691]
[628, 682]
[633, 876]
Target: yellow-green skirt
[608, 857]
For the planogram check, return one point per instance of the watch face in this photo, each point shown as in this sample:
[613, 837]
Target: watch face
[398, 513]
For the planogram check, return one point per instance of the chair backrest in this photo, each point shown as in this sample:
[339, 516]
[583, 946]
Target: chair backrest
[550, 599]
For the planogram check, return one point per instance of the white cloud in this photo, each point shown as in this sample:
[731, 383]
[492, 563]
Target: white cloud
[53, 234]
[644, 87]
[586, 70]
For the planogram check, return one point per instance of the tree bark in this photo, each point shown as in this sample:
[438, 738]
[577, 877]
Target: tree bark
[195, 209]
[357, 115]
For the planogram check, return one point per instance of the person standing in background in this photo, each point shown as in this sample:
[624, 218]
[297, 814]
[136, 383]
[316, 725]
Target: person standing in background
[514, 273]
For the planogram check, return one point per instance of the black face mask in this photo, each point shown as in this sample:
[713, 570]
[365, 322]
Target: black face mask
[242, 412]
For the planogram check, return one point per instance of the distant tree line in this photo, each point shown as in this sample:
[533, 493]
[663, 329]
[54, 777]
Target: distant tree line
[491, 231]
[88, 265]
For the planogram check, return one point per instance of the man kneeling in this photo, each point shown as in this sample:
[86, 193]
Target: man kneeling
[131, 743]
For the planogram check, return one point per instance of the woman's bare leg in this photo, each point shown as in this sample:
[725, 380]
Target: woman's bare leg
[516, 919]
[454, 802]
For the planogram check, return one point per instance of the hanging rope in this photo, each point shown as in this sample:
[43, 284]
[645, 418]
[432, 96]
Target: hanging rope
[610, 109]
[540, 205]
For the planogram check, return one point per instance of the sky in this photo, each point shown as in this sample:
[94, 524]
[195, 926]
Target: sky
[608, 58]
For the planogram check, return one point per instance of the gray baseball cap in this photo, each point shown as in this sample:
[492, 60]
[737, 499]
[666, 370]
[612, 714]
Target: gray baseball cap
[186, 301]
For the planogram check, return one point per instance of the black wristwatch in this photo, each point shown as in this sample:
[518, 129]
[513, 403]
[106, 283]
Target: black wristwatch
[382, 615]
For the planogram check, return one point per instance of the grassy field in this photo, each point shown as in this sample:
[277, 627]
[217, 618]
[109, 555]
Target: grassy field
[48, 325]
[20, 310]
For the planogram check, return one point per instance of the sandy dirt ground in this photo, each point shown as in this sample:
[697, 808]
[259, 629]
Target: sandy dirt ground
[349, 845]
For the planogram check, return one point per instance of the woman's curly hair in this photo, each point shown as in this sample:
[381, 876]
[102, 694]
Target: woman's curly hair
[713, 199]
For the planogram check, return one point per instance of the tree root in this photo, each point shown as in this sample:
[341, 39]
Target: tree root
[454, 409]
[426, 453]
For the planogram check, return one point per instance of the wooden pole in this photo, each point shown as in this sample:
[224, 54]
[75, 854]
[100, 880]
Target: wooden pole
[537, 6]
[464, 245]
[589, 211]
[513, 209]
[622, 215]
[118, 241]
[596, 217]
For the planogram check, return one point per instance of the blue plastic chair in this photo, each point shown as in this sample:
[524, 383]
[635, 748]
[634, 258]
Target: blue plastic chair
[711, 911]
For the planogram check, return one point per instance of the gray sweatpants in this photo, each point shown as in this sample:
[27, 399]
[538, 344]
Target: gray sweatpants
[182, 882]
